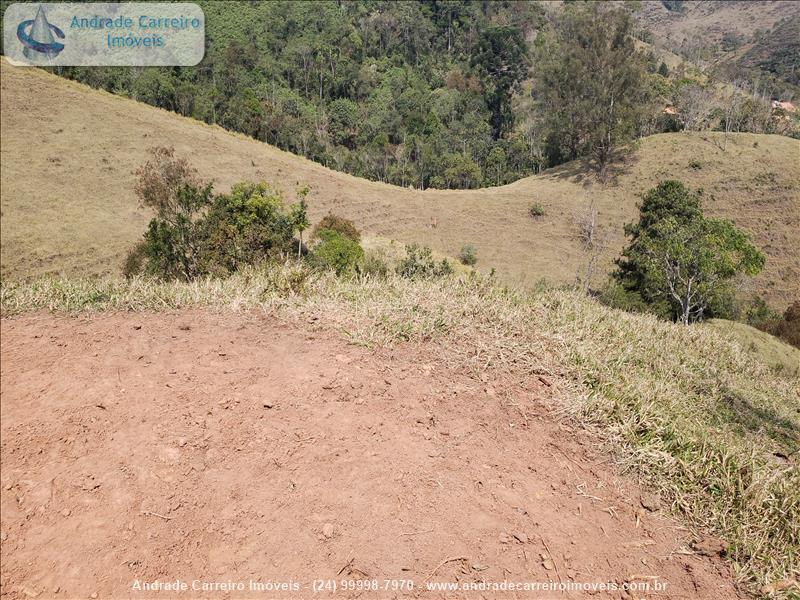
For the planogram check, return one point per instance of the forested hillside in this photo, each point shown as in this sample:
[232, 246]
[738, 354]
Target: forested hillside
[408, 93]
[443, 94]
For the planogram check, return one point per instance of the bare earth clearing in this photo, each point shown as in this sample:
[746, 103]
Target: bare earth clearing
[222, 446]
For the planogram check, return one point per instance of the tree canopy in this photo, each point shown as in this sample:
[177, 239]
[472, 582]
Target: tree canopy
[411, 93]
[591, 84]
[680, 263]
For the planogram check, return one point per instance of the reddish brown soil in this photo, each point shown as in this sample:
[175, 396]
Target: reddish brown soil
[225, 447]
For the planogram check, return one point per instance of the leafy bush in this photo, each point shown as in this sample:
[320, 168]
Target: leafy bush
[374, 265]
[195, 234]
[419, 263]
[337, 252]
[536, 210]
[171, 188]
[695, 164]
[344, 227]
[245, 227]
[174, 237]
[468, 255]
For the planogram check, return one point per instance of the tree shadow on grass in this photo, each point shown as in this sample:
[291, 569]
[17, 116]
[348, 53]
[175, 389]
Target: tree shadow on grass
[737, 410]
[584, 171]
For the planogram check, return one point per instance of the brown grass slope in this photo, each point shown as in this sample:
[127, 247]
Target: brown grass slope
[68, 205]
[710, 20]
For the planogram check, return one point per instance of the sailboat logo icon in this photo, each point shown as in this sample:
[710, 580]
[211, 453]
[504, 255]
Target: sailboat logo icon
[37, 37]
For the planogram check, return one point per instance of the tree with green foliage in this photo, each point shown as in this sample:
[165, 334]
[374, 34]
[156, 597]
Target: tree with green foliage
[172, 243]
[501, 57]
[591, 84]
[337, 252]
[681, 263]
[496, 164]
[170, 187]
[462, 172]
[247, 226]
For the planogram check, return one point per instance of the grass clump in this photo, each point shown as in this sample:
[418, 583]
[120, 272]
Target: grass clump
[536, 210]
[419, 263]
[468, 255]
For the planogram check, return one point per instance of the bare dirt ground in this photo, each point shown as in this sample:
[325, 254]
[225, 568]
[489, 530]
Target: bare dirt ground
[237, 448]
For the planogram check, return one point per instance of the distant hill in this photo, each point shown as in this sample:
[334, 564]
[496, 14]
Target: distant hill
[777, 51]
[68, 204]
[735, 38]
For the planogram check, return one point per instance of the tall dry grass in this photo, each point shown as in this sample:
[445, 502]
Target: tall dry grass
[695, 415]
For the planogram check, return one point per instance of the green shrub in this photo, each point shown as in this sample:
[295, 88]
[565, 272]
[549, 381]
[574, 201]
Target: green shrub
[195, 233]
[344, 227]
[468, 255]
[374, 265]
[336, 252]
[135, 260]
[247, 226]
[170, 187]
[419, 263]
[173, 240]
[536, 210]
[695, 164]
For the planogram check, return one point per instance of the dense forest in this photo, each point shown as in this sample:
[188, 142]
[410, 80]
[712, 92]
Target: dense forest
[409, 93]
[440, 93]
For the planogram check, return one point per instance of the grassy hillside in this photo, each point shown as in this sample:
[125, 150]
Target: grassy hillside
[713, 19]
[68, 205]
[770, 349]
[733, 36]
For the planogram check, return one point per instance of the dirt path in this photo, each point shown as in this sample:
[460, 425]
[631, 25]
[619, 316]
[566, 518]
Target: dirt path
[233, 448]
